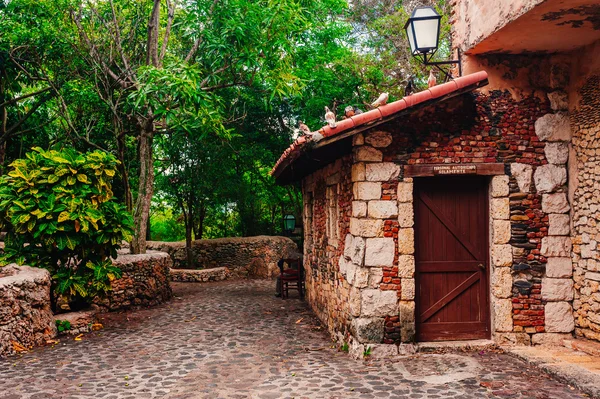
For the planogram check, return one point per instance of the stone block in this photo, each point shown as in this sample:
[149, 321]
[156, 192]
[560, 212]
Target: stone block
[559, 267]
[408, 289]
[499, 186]
[553, 127]
[500, 208]
[358, 172]
[503, 315]
[348, 243]
[405, 192]
[358, 139]
[557, 153]
[379, 252]
[502, 255]
[559, 317]
[354, 302]
[555, 339]
[383, 209]
[592, 276]
[512, 339]
[377, 303]
[382, 351]
[405, 214]
[549, 178]
[523, 174]
[379, 139]
[557, 289]
[367, 153]
[555, 203]
[406, 241]
[343, 265]
[559, 224]
[361, 277]
[501, 231]
[357, 251]
[382, 171]
[559, 100]
[556, 246]
[502, 282]
[359, 209]
[367, 191]
[407, 312]
[375, 277]
[406, 266]
[366, 227]
[368, 330]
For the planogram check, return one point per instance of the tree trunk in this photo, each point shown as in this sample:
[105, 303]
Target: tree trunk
[188, 242]
[123, 171]
[145, 188]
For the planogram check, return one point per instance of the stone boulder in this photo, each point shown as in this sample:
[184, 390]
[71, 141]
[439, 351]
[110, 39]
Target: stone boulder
[553, 127]
[548, 178]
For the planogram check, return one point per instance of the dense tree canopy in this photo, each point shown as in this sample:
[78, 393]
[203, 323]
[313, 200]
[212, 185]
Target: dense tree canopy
[195, 98]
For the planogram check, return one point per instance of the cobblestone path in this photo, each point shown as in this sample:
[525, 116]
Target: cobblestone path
[235, 340]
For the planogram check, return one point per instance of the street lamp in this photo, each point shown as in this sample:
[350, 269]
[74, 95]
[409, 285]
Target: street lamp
[423, 32]
[289, 223]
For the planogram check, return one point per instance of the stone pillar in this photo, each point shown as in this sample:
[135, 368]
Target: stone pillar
[368, 249]
[550, 181]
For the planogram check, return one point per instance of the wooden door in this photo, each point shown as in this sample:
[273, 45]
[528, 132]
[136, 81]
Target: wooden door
[451, 254]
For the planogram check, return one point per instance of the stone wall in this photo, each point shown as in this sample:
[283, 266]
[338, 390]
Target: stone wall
[145, 282]
[26, 318]
[331, 281]
[243, 256]
[585, 121]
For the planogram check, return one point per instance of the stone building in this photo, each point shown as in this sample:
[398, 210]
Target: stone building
[468, 210]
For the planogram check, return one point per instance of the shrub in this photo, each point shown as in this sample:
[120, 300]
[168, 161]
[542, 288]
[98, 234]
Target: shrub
[59, 213]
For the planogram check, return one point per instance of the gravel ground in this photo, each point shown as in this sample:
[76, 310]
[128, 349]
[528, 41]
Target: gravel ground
[234, 339]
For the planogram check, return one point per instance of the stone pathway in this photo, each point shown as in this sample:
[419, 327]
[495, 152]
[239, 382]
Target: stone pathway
[233, 339]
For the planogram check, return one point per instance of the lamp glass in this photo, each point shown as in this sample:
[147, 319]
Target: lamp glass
[422, 29]
[289, 222]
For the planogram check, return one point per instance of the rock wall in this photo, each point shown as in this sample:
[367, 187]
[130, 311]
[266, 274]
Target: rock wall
[25, 315]
[585, 121]
[243, 256]
[329, 283]
[145, 282]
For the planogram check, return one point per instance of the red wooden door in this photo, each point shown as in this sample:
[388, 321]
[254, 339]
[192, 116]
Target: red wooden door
[451, 254]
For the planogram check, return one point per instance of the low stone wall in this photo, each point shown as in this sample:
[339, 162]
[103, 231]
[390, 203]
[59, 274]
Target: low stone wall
[25, 315]
[145, 282]
[200, 276]
[243, 256]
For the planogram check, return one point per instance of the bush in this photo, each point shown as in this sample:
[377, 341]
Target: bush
[59, 213]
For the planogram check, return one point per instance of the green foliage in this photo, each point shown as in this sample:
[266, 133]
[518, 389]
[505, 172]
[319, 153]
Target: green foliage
[165, 226]
[345, 347]
[63, 325]
[59, 213]
[368, 351]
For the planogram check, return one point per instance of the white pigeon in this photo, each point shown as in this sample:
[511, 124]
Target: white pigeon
[330, 118]
[382, 100]
[432, 81]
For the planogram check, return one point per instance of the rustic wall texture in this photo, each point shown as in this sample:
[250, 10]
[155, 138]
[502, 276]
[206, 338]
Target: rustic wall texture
[25, 315]
[243, 256]
[585, 121]
[145, 282]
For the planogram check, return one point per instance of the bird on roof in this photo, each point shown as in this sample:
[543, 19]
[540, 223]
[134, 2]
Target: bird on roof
[381, 100]
[410, 86]
[330, 118]
[357, 111]
[349, 111]
[305, 130]
[432, 81]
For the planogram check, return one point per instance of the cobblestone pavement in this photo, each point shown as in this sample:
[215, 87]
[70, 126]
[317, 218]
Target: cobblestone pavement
[235, 340]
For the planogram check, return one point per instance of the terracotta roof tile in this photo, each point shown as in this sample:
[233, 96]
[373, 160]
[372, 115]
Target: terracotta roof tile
[382, 112]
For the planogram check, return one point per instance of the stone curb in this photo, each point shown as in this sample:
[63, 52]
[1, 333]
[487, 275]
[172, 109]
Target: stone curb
[569, 373]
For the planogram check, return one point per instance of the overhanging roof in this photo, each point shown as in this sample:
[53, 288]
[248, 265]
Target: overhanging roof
[304, 157]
